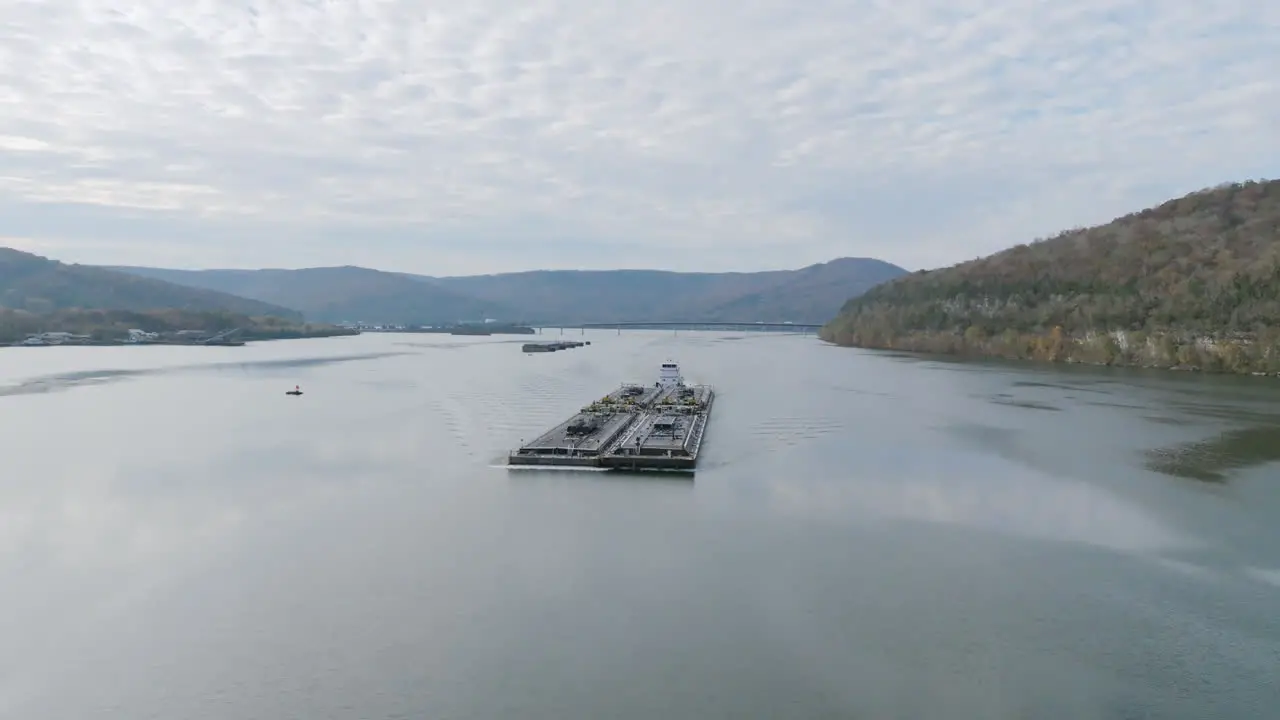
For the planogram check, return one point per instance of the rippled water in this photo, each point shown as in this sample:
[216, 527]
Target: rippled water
[869, 535]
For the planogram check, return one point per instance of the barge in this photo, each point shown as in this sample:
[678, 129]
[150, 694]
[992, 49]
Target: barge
[636, 427]
[551, 346]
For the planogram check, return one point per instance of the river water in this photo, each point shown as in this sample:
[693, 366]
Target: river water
[869, 536]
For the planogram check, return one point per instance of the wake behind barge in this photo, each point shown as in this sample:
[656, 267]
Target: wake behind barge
[636, 427]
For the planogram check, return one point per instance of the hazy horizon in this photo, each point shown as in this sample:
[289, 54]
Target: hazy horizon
[714, 136]
[248, 268]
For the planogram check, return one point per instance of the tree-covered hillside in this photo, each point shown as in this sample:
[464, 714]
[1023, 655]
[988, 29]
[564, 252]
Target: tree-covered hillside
[1194, 282]
[40, 285]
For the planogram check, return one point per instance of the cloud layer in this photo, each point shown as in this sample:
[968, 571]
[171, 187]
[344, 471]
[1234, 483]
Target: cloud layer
[489, 136]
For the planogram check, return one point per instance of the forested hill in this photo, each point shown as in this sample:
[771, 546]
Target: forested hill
[1193, 283]
[39, 285]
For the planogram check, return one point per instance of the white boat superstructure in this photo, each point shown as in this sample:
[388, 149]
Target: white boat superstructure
[669, 375]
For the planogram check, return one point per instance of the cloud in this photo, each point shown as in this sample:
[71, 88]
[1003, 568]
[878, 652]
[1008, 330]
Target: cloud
[490, 136]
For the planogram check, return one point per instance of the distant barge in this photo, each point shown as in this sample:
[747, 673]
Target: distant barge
[636, 427]
[551, 346]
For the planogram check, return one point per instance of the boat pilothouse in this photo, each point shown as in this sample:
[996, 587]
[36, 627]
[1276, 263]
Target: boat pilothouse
[670, 376]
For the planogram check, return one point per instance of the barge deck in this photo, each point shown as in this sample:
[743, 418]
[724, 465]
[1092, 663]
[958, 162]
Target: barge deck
[636, 427]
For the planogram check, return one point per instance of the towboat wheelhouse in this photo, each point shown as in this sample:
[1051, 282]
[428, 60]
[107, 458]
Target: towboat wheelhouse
[669, 375]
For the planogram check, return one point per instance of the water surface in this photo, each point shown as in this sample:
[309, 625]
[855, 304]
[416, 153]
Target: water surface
[869, 536]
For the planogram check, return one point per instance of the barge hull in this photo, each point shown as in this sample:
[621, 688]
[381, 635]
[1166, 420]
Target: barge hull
[641, 463]
[533, 460]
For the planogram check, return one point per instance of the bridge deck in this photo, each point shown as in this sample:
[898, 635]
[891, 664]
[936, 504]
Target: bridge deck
[718, 325]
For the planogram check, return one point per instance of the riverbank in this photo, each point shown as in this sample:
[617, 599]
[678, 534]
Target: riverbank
[156, 327]
[1236, 353]
[212, 342]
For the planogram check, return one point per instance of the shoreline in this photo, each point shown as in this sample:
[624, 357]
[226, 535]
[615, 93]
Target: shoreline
[176, 343]
[1201, 355]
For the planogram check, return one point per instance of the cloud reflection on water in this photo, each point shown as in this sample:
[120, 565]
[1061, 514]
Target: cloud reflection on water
[1025, 503]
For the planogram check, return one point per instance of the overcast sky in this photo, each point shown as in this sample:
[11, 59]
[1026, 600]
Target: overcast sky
[492, 135]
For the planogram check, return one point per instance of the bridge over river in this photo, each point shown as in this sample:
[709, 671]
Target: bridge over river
[802, 328]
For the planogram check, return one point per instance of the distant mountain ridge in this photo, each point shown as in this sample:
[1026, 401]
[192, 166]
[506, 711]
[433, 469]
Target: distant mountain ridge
[338, 294]
[809, 295]
[40, 285]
